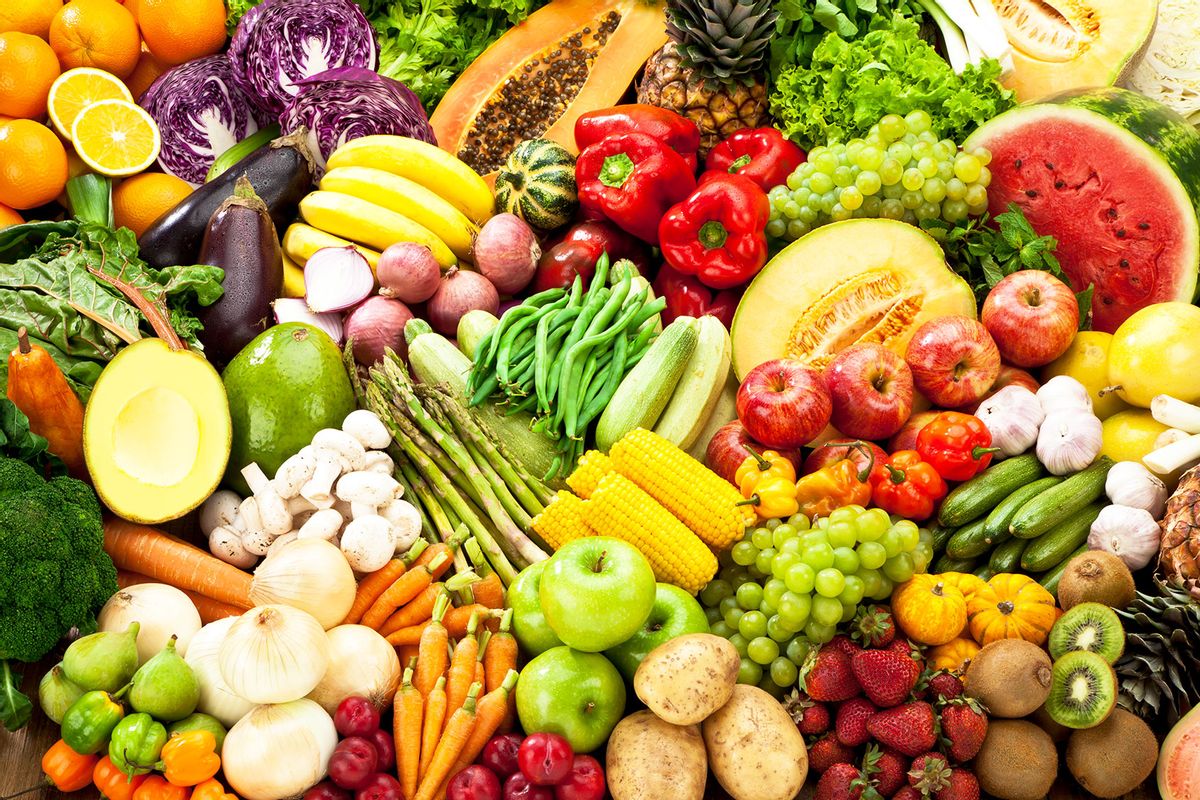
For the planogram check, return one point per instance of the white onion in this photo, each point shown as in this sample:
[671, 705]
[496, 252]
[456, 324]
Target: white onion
[309, 574]
[274, 654]
[216, 698]
[162, 611]
[279, 751]
[295, 309]
[336, 278]
[362, 663]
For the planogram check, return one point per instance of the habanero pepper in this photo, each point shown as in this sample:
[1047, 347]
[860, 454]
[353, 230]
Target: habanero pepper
[842, 483]
[67, 769]
[211, 789]
[772, 497]
[676, 131]
[910, 487]
[764, 155]
[959, 446]
[112, 782]
[718, 232]
[756, 467]
[156, 787]
[686, 296]
[89, 722]
[576, 253]
[136, 744]
[190, 757]
[632, 179]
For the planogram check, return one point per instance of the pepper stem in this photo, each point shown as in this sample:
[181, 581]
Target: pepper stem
[712, 235]
[616, 170]
[979, 452]
[897, 475]
[763, 464]
[752, 500]
[742, 161]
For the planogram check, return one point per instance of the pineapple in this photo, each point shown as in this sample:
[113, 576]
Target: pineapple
[713, 71]
[1179, 553]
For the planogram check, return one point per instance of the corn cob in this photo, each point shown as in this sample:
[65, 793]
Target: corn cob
[699, 497]
[620, 509]
[593, 465]
[561, 521]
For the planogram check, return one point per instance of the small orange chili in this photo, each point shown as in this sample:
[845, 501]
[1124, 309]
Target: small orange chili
[113, 783]
[67, 770]
[190, 757]
[212, 789]
[755, 468]
[155, 787]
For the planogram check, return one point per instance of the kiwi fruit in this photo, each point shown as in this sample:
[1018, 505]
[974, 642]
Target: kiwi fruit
[1012, 677]
[1059, 733]
[1084, 690]
[1096, 577]
[1114, 757]
[1093, 627]
[1018, 761]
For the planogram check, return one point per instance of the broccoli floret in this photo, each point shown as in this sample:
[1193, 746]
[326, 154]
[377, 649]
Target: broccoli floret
[17, 476]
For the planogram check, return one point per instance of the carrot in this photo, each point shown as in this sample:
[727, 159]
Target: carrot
[417, 610]
[210, 610]
[488, 716]
[406, 587]
[489, 591]
[454, 739]
[408, 710]
[171, 561]
[501, 653]
[407, 653]
[432, 658]
[432, 552]
[410, 636]
[431, 729]
[371, 587]
[462, 667]
[457, 619]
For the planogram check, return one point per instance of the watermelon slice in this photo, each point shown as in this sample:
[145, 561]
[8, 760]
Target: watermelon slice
[1115, 177]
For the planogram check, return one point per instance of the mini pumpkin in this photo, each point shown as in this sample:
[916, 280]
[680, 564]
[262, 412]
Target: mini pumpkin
[1011, 606]
[929, 610]
[955, 655]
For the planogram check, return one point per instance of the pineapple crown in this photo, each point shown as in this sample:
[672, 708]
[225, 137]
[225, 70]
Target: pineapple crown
[725, 40]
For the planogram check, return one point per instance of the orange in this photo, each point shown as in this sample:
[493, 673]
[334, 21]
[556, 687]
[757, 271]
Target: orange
[145, 73]
[33, 164]
[78, 88]
[140, 200]
[115, 137]
[27, 68]
[96, 33]
[181, 30]
[9, 217]
[28, 16]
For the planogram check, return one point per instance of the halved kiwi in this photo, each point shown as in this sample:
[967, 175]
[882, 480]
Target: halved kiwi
[1093, 627]
[1083, 690]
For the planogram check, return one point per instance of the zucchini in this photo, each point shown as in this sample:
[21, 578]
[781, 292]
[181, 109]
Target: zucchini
[1007, 557]
[1060, 541]
[1050, 579]
[985, 573]
[968, 541]
[245, 147]
[1058, 503]
[473, 327]
[976, 497]
[997, 521]
[948, 564]
[941, 535]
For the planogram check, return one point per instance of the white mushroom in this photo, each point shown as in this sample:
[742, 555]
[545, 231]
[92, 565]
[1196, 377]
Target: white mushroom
[368, 429]
[345, 445]
[319, 488]
[298, 520]
[226, 544]
[363, 510]
[294, 473]
[281, 542]
[378, 461]
[368, 544]
[405, 520]
[256, 542]
[299, 505]
[249, 517]
[343, 508]
[324, 524]
[366, 487]
[219, 510]
[272, 509]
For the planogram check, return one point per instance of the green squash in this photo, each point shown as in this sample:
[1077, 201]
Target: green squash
[537, 183]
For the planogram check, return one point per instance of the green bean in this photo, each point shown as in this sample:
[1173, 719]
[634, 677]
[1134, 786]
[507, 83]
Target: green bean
[600, 276]
[592, 336]
[648, 311]
[505, 357]
[526, 404]
[589, 310]
[595, 403]
[484, 390]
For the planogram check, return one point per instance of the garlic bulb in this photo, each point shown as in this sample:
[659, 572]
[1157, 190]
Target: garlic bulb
[309, 574]
[1131, 484]
[1130, 534]
[1068, 441]
[1064, 393]
[274, 654]
[1013, 416]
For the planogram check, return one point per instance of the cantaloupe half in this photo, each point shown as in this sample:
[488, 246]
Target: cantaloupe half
[862, 280]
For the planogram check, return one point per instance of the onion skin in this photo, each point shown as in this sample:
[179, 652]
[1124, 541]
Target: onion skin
[162, 611]
[376, 324]
[461, 291]
[408, 272]
[506, 251]
[278, 751]
[361, 663]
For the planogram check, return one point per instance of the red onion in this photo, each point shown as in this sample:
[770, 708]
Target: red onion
[409, 272]
[336, 278]
[506, 251]
[295, 309]
[375, 325]
[461, 291]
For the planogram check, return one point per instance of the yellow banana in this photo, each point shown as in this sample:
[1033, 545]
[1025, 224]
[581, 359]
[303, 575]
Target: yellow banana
[409, 198]
[427, 164]
[293, 278]
[368, 224]
[300, 241]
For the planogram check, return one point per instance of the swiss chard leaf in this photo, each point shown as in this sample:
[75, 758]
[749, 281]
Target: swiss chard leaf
[19, 442]
[15, 708]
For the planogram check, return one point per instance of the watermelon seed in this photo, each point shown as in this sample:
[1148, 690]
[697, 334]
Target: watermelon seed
[1121, 233]
[1049, 165]
[1059, 184]
[1112, 213]
[1031, 192]
[1124, 263]
[1017, 163]
[1143, 226]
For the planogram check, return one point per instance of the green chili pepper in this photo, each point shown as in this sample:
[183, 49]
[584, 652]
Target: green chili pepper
[136, 743]
[89, 722]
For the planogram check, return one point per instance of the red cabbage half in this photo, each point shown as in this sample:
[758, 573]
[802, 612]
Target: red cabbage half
[282, 42]
[350, 102]
[200, 112]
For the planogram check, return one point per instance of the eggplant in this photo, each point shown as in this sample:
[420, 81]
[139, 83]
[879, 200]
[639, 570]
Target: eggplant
[242, 240]
[282, 174]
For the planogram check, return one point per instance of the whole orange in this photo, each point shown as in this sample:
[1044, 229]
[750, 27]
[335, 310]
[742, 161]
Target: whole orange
[145, 73]
[27, 68]
[96, 33]
[9, 217]
[181, 30]
[28, 16]
[140, 200]
[33, 164]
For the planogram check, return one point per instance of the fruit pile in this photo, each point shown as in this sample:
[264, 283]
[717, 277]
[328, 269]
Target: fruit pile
[541, 766]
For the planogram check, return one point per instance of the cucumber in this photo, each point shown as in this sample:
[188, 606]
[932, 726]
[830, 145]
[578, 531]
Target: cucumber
[997, 521]
[1058, 503]
[1051, 578]
[985, 573]
[1007, 557]
[1060, 541]
[968, 541]
[941, 535]
[947, 564]
[240, 150]
[976, 497]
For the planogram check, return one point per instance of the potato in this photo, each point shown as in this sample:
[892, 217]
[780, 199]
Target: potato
[687, 678]
[649, 759]
[754, 748]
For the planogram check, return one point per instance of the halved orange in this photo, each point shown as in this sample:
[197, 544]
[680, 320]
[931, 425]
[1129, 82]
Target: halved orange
[78, 88]
[116, 137]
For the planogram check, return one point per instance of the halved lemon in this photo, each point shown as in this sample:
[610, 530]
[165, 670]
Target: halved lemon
[78, 88]
[116, 137]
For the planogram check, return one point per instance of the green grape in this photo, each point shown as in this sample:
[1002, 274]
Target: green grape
[900, 568]
[845, 560]
[736, 571]
[739, 579]
[728, 603]
[892, 126]
[763, 650]
[763, 562]
[910, 138]
[934, 190]
[808, 214]
[908, 217]
[796, 228]
[852, 593]
[770, 524]
[758, 575]
[900, 151]
[813, 153]
[778, 196]
[753, 623]
[870, 158]
[819, 535]
[783, 672]
[891, 542]
[855, 511]
[749, 595]
[890, 171]
[922, 150]
[868, 182]
[843, 533]
[721, 629]
[797, 650]
[799, 522]
[967, 168]
[761, 538]
[912, 200]
[783, 561]
[826, 610]
[744, 553]
[954, 210]
[985, 177]
[713, 615]
[844, 514]
[830, 582]
[983, 154]
[893, 192]
[794, 609]
[776, 229]
[945, 170]
[793, 545]
[781, 533]
[918, 121]
[821, 524]
[848, 613]
[975, 211]
[871, 524]
[733, 617]
[891, 209]
[928, 210]
[913, 179]
[871, 579]
[885, 589]
[819, 633]
[851, 198]
[955, 189]
[842, 176]
[825, 163]
[749, 673]
[928, 166]
[791, 209]
[943, 151]
[921, 558]
[909, 533]
[818, 556]
[870, 207]
[716, 591]
[821, 183]
[828, 201]
[839, 212]
[772, 591]
[871, 555]
[794, 181]
[854, 147]
[777, 630]
[800, 578]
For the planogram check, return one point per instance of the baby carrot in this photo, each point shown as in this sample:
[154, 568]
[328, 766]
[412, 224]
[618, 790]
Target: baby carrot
[408, 709]
[432, 658]
[462, 668]
[458, 730]
[408, 586]
[431, 729]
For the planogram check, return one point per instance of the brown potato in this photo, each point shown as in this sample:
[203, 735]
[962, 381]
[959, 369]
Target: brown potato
[649, 759]
[687, 678]
[754, 748]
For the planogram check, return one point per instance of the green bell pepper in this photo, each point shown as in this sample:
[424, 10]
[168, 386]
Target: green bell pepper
[89, 722]
[136, 743]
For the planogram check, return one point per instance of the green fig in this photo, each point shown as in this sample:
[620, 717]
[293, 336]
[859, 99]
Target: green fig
[102, 661]
[165, 686]
[200, 722]
[56, 693]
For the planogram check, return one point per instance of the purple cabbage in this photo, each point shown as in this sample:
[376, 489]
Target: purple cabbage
[200, 113]
[282, 42]
[350, 102]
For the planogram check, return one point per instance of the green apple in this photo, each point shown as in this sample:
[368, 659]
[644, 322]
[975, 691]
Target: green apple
[528, 622]
[596, 592]
[579, 696]
[675, 613]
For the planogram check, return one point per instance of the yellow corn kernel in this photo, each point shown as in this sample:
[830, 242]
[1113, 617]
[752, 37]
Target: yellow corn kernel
[593, 465]
[561, 521]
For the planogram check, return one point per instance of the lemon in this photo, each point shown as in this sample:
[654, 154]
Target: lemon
[1157, 351]
[1129, 435]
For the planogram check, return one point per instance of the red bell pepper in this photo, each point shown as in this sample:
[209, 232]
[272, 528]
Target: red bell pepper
[959, 446]
[718, 233]
[576, 253]
[677, 132]
[632, 179]
[909, 486]
[763, 155]
[686, 296]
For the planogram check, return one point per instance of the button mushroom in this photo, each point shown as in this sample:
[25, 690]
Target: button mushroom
[368, 429]
[226, 544]
[294, 473]
[405, 521]
[379, 461]
[368, 544]
[366, 487]
[272, 509]
[346, 446]
[219, 510]
[319, 488]
[324, 524]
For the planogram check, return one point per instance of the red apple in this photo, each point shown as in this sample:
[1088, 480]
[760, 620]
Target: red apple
[840, 449]
[727, 450]
[1032, 316]
[872, 391]
[1009, 376]
[953, 361]
[783, 403]
[906, 437]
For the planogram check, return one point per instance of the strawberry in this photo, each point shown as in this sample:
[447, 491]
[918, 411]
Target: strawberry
[827, 751]
[945, 686]
[811, 717]
[910, 728]
[873, 626]
[886, 768]
[886, 677]
[851, 723]
[828, 676]
[844, 782]
[963, 785]
[845, 644]
[907, 793]
[929, 773]
[905, 648]
[964, 726]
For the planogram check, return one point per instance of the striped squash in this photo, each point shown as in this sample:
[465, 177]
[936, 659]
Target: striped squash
[537, 183]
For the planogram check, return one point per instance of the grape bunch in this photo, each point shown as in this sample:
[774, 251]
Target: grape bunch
[900, 171]
[788, 584]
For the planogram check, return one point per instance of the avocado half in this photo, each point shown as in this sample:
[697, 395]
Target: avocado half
[156, 432]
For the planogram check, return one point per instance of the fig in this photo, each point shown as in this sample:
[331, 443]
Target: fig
[165, 686]
[200, 722]
[56, 693]
[102, 661]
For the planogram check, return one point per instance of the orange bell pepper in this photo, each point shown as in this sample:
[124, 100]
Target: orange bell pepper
[211, 789]
[156, 787]
[113, 783]
[839, 484]
[67, 770]
[190, 757]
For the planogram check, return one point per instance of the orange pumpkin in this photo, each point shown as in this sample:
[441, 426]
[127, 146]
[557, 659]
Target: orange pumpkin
[1011, 606]
[929, 610]
[966, 582]
[954, 655]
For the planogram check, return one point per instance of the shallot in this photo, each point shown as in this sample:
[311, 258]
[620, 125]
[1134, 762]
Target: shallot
[336, 278]
[408, 272]
[461, 291]
[506, 251]
[375, 325]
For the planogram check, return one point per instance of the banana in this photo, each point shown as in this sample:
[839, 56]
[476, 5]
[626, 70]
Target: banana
[300, 241]
[699, 388]
[368, 224]
[427, 164]
[409, 198]
[293, 278]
